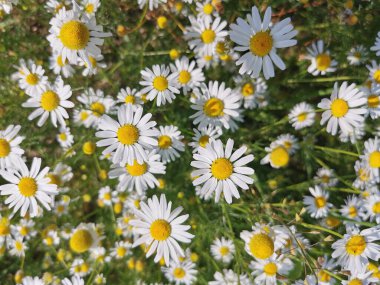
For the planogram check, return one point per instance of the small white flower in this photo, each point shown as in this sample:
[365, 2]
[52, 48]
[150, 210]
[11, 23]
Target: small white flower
[10, 151]
[321, 61]
[302, 115]
[317, 205]
[376, 46]
[223, 249]
[169, 143]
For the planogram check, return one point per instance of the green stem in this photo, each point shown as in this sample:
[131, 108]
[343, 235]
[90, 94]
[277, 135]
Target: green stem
[315, 227]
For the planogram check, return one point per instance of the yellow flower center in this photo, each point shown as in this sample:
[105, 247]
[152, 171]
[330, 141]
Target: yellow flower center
[49, 240]
[84, 267]
[352, 212]
[32, 79]
[373, 101]
[374, 159]
[184, 77]
[363, 174]
[90, 8]
[224, 250]
[248, 89]
[213, 107]
[136, 169]
[128, 134]
[325, 179]
[339, 108]
[136, 203]
[203, 140]
[332, 222]
[324, 276]
[23, 231]
[356, 245]
[261, 43]
[301, 117]
[320, 202]
[323, 61]
[60, 61]
[4, 227]
[27, 186]
[221, 168]
[107, 196]
[19, 246]
[62, 137]
[55, 179]
[357, 54]
[179, 273]
[98, 108]
[160, 83]
[5, 148]
[121, 251]
[129, 99]
[376, 208]
[83, 115]
[81, 241]
[74, 35]
[164, 142]
[376, 76]
[160, 230]
[261, 246]
[279, 156]
[270, 269]
[49, 101]
[207, 9]
[208, 36]
[355, 282]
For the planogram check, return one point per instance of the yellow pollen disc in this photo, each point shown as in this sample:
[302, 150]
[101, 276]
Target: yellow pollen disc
[356, 245]
[54, 179]
[376, 76]
[107, 196]
[136, 169]
[320, 202]
[90, 8]
[160, 230]
[19, 246]
[49, 240]
[164, 142]
[60, 61]
[83, 115]
[129, 99]
[325, 179]
[179, 273]
[261, 246]
[248, 89]
[207, 57]
[224, 250]
[352, 212]
[374, 159]
[208, 36]
[184, 77]
[5, 148]
[27, 186]
[62, 136]
[301, 117]
[207, 9]
[357, 54]
[270, 269]
[261, 43]
[98, 108]
[81, 241]
[136, 203]
[23, 231]
[4, 227]
[339, 108]
[279, 156]
[355, 282]
[221, 168]
[323, 276]
[203, 140]
[84, 267]
[376, 208]
[160, 83]
[49, 101]
[213, 107]
[323, 61]
[74, 35]
[121, 251]
[32, 79]
[363, 175]
[373, 101]
[128, 134]
[332, 222]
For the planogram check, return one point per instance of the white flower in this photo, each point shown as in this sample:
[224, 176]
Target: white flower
[80, 268]
[220, 169]
[161, 229]
[53, 6]
[75, 280]
[376, 46]
[228, 277]
[65, 138]
[203, 136]
[253, 92]
[317, 205]
[223, 249]
[10, 151]
[169, 143]
[59, 66]
[302, 115]
[30, 77]
[277, 155]
[260, 42]
[326, 177]
[321, 61]
[105, 196]
[288, 141]
[374, 72]
[352, 209]
[90, 6]
[371, 157]
[152, 4]
[372, 95]
[181, 272]
[206, 9]
[32, 281]
[357, 55]
[372, 208]
[344, 110]
[18, 247]
[363, 173]
[130, 96]
[95, 65]
[121, 249]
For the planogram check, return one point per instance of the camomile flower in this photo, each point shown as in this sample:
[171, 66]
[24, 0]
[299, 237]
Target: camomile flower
[169, 143]
[53, 6]
[344, 110]
[220, 169]
[139, 176]
[372, 208]
[5, 231]
[61, 174]
[51, 102]
[321, 60]
[28, 280]
[7, 5]
[259, 41]
[252, 92]
[206, 9]
[130, 96]
[268, 270]
[228, 277]
[215, 105]
[152, 4]
[223, 250]
[18, 247]
[376, 46]
[95, 65]
[189, 77]
[325, 177]
[374, 72]
[105, 196]
[373, 100]
[181, 272]
[30, 77]
[317, 205]
[24, 228]
[363, 174]
[203, 34]
[161, 229]
[10, 151]
[301, 116]
[64, 137]
[90, 6]
[159, 84]
[129, 137]
[354, 250]
[26, 187]
[100, 279]
[372, 157]
[288, 141]
[278, 155]
[360, 279]
[203, 136]
[84, 238]
[352, 209]
[75, 280]
[51, 238]
[80, 268]
[75, 36]
[121, 249]
[353, 136]
[206, 61]
[326, 265]
[357, 55]
[59, 66]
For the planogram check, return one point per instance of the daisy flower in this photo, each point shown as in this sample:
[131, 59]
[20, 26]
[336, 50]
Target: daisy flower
[206, 61]
[129, 137]
[130, 96]
[327, 265]
[60, 175]
[159, 84]
[360, 279]
[301, 116]
[80, 268]
[161, 229]
[288, 141]
[374, 72]
[373, 100]
[357, 55]
[277, 155]
[90, 6]
[220, 169]
[75, 280]
[223, 250]
[181, 272]
[189, 77]
[18, 247]
[75, 36]
[317, 205]
[139, 176]
[354, 250]
[344, 110]
[252, 92]
[5, 232]
[84, 238]
[203, 136]
[7, 5]
[53, 6]
[169, 143]
[260, 42]
[352, 209]
[32, 281]
[152, 4]
[376, 46]
[51, 238]
[105, 196]
[26, 187]
[59, 66]
[121, 249]
[372, 208]
[326, 177]
[94, 66]
[51, 102]
[205, 9]
[363, 173]
[215, 105]
[10, 151]
[30, 77]
[321, 61]
[228, 277]
[204, 33]
[372, 157]
[24, 228]
[64, 137]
